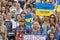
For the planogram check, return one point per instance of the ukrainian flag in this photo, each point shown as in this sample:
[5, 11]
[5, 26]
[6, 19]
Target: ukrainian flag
[58, 7]
[47, 1]
[44, 9]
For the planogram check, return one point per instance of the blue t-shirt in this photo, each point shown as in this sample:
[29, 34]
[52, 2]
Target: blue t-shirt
[8, 25]
[45, 29]
[59, 24]
[26, 29]
[56, 34]
[28, 19]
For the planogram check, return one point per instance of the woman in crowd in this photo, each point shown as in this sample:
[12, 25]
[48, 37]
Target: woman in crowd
[52, 18]
[51, 36]
[23, 14]
[37, 19]
[58, 18]
[46, 25]
[36, 29]
[3, 31]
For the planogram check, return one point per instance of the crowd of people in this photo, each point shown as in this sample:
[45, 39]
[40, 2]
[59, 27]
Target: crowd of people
[21, 15]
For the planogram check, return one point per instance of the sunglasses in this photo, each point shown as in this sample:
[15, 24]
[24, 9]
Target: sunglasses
[52, 17]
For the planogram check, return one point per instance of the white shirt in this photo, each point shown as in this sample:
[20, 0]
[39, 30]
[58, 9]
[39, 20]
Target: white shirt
[19, 11]
[14, 25]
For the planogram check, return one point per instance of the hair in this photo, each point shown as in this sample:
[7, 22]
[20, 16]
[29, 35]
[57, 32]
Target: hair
[49, 36]
[46, 18]
[22, 20]
[5, 9]
[23, 13]
[52, 24]
[16, 17]
[38, 19]
[36, 23]
[28, 6]
[53, 17]
[26, 0]
[58, 29]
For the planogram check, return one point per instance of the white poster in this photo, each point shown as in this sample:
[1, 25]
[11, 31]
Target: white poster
[34, 37]
[28, 37]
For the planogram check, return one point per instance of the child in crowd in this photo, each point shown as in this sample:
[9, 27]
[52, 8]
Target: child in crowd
[28, 17]
[36, 29]
[22, 26]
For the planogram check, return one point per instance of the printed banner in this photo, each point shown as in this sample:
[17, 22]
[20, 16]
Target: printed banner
[34, 37]
[28, 37]
[44, 9]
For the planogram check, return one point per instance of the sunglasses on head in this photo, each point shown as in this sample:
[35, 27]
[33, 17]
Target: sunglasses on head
[52, 17]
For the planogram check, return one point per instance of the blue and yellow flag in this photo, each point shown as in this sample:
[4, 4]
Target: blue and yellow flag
[58, 7]
[47, 1]
[44, 9]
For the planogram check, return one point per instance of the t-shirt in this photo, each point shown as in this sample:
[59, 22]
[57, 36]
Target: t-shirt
[26, 29]
[19, 11]
[8, 24]
[59, 37]
[28, 19]
[21, 3]
[45, 29]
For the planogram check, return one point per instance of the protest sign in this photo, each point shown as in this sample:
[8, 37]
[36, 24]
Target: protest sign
[44, 9]
[34, 37]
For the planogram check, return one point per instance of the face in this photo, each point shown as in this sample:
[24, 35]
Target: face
[59, 30]
[14, 4]
[51, 36]
[58, 15]
[36, 26]
[1, 21]
[46, 19]
[22, 15]
[10, 3]
[17, 5]
[22, 24]
[3, 14]
[35, 18]
[52, 18]
[28, 10]
[0, 3]
[0, 9]
[18, 17]
[21, 0]
[9, 15]
[3, 9]
[52, 27]
[5, 2]
[28, 1]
